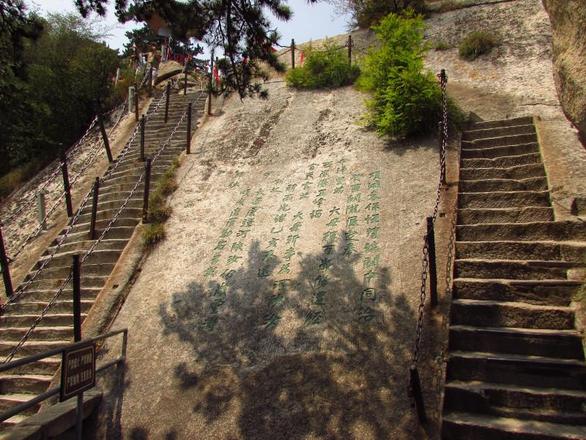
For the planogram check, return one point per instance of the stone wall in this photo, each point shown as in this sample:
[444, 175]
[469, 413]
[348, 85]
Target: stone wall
[568, 20]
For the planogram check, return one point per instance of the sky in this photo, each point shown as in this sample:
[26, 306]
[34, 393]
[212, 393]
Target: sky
[309, 22]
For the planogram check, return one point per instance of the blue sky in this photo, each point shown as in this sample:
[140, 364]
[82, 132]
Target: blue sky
[308, 22]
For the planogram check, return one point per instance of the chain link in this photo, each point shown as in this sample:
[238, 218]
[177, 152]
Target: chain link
[25, 337]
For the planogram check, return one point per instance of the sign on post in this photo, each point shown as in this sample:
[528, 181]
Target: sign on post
[78, 371]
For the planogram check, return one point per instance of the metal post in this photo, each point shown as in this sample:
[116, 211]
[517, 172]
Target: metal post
[168, 95]
[131, 98]
[5, 268]
[136, 104]
[185, 85]
[293, 53]
[41, 209]
[415, 385]
[142, 131]
[432, 262]
[211, 84]
[105, 137]
[77, 335]
[189, 111]
[66, 186]
[350, 49]
[147, 184]
[96, 194]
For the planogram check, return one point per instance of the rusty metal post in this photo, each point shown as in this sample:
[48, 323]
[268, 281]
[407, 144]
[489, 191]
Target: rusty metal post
[167, 98]
[432, 262]
[66, 186]
[95, 195]
[415, 385]
[105, 137]
[189, 112]
[76, 281]
[293, 53]
[41, 208]
[185, 85]
[147, 184]
[142, 133]
[211, 84]
[350, 49]
[5, 269]
[136, 96]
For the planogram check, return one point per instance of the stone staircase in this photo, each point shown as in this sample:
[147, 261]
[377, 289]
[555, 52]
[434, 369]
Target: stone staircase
[56, 329]
[516, 365]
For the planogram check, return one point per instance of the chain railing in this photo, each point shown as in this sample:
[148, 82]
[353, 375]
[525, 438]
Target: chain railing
[92, 248]
[428, 270]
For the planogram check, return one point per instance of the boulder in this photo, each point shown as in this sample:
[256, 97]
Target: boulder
[568, 20]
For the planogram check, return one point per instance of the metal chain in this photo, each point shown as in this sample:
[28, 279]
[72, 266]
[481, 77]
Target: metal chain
[94, 245]
[425, 253]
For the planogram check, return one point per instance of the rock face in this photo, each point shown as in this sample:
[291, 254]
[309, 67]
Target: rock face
[568, 20]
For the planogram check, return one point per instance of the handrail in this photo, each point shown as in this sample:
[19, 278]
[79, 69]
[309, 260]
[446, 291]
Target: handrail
[54, 391]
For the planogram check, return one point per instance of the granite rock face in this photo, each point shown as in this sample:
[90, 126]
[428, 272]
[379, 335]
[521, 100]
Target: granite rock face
[568, 20]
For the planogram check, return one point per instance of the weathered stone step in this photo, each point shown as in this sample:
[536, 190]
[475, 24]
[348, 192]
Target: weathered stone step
[63, 333]
[538, 292]
[107, 214]
[502, 162]
[65, 305]
[24, 383]
[511, 269]
[513, 122]
[31, 347]
[503, 199]
[88, 293]
[534, 231]
[8, 401]
[55, 283]
[464, 426]
[519, 370]
[134, 202]
[471, 135]
[50, 320]
[44, 367]
[565, 344]
[490, 185]
[126, 178]
[156, 168]
[84, 245]
[62, 272]
[514, 173]
[496, 152]
[523, 250]
[501, 395]
[484, 313]
[504, 215]
[121, 221]
[162, 161]
[501, 141]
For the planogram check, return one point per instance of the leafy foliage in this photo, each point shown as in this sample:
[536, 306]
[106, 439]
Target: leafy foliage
[324, 68]
[477, 43]
[406, 99]
[366, 13]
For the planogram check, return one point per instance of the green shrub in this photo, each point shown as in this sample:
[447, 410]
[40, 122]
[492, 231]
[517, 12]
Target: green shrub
[441, 45]
[406, 99]
[153, 233]
[326, 68]
[366, 13]
[476, 44]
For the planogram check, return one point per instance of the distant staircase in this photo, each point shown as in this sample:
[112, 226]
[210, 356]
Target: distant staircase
[56, 329]
[516, 365]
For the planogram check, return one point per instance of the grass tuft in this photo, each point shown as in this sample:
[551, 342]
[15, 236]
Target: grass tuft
[477, 43]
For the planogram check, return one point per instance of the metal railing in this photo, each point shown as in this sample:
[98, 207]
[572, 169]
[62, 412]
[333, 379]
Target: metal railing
[54, 391]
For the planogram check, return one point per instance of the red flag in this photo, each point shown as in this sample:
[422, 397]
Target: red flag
[216, 76]
[301, 58]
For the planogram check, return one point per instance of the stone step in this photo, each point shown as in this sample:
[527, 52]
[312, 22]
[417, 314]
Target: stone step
[485, 313]
[50, 320]
[485, 395]
[504, 199]
[465, 426]
[484, 125]
[107, 214]
[31, 347]
[538, 292]
[511, 269]
[44, 367]
[87, 293]
[65, 305]
[84, 245]
[565, 344]
[62, 272]
[55, 283]
[115, 232]
[505, 215]
[471, 135]
[24, 383]
[503, 162]
[103, 224]
[8, 401]
[98, 256]
[63, 333]
[523, 250]
[534, 231]
[497, 152]
[519, 370]
[490, 185]
[501, 141]
[514, 173]
[134, 202]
